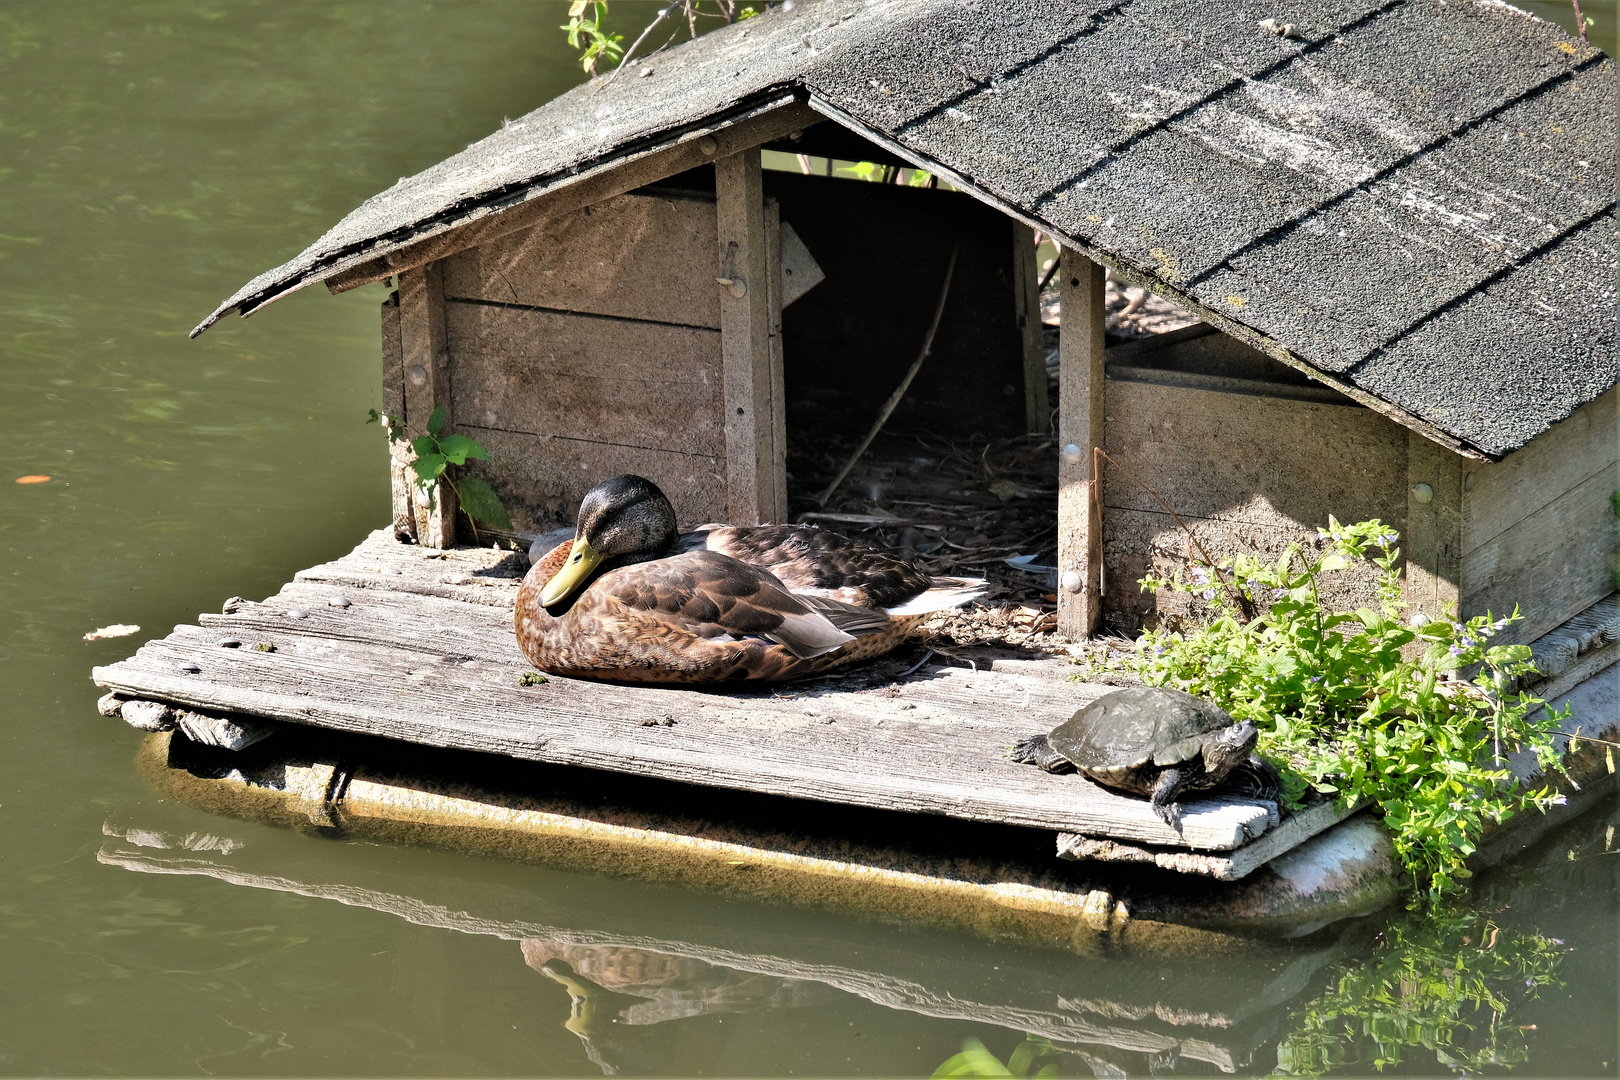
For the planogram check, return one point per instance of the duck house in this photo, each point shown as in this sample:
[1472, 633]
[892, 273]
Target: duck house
[1391, 224]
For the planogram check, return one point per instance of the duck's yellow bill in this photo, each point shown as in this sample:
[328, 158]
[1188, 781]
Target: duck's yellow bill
[582, 561]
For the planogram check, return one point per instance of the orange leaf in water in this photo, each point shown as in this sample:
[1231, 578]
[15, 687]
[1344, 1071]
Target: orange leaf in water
[35, 479]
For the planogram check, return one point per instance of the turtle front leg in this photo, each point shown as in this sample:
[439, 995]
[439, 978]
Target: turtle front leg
[1257, 778]
[1037, 750]
[1164, 798]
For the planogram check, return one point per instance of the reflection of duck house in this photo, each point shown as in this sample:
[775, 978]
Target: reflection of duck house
[1403, 271]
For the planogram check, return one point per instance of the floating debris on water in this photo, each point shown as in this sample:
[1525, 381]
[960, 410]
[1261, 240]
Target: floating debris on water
[115, 630]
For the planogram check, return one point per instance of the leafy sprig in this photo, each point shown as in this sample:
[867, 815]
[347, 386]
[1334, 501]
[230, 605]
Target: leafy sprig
[585, 33]
[1361, 704]
[435, 453]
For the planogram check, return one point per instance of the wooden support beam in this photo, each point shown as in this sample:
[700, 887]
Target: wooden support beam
[1027, 297]
[745, 346]
[426, 361]
[393, 412]
[1434, 525]
[1080, 430]
[563, 195]
[773, 275]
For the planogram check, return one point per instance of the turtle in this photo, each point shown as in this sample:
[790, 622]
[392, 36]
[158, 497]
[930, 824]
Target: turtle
[1154, 741]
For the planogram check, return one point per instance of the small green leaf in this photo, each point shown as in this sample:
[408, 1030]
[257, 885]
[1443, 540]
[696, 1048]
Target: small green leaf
[373, 416]
[1334, 562]
[425, 444]
[480, 502]
[429, 467]
[458, 448]
[435, 422]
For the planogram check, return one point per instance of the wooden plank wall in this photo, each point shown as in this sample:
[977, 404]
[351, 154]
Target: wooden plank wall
[1253, 460]
[1538, 529]
[590, 346]
[1249, 467]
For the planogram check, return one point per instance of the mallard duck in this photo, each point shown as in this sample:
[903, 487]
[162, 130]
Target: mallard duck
[631, 600]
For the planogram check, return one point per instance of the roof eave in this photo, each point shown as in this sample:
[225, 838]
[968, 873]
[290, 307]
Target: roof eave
[734, 125]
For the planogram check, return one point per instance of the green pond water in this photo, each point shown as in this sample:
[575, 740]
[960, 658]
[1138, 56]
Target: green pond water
[154, 156]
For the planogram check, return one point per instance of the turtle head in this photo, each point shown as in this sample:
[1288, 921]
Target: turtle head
[1229, 748]
[624, 517]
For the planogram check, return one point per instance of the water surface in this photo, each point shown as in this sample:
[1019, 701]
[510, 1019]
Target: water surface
[153, 156]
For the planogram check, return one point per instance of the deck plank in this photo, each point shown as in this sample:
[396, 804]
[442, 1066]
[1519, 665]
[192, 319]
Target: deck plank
[424, 653]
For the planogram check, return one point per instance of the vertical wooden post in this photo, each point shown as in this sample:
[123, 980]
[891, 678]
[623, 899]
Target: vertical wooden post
[1434, 525]
[393, 412]
[427, 386]
[1027, 310]
[745, 339]
[778, 402]
[1080, 429]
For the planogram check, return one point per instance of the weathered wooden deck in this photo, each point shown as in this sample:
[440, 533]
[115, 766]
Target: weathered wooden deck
[416, 644]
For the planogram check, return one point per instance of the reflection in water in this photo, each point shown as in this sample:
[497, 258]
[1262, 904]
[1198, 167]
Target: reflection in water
[1459, 990]
[611, 984]
[1447, 981]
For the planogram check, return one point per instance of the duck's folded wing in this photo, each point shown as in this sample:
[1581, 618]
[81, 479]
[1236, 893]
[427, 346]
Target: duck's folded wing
[816, 561]
[714, 596]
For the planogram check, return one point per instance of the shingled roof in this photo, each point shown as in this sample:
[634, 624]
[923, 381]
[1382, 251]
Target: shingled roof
[1411, 199]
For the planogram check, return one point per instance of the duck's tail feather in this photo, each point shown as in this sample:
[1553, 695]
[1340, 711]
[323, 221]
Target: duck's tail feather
[942, 594]
[809, 635]
[850, 618]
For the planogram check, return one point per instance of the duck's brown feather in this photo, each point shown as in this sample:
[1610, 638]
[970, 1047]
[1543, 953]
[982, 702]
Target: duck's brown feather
[700, 616]
[815, 561]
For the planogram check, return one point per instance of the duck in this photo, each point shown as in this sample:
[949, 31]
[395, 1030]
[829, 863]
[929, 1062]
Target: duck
[631, 599]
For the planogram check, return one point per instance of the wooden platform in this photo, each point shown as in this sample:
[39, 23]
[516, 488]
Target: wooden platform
[424, 652]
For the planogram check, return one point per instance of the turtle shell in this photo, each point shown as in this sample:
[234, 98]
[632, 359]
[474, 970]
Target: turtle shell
[1127, 729]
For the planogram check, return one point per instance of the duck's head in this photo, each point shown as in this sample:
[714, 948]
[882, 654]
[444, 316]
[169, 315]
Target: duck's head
[625, 517]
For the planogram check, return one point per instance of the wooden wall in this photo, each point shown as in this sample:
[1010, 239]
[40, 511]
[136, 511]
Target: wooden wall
[1537, 527]
[600, 343]
[1252, 460]
[590, 347]
[1254, 456]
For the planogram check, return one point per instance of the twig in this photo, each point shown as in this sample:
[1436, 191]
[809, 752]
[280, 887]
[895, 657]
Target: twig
[625, 59]
[1046, 278]
[1580, 21]
[899, 391]
[1096, 478]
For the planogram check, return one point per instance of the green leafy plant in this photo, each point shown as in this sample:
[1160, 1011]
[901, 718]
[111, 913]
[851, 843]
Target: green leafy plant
[1341, 698]
[585, 33]
[1027, 1059]
[1447, 981]
[435, 453]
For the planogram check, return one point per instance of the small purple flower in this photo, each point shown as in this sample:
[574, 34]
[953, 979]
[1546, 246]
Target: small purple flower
[1456, 651]
[1468, 642]
[1208, 594]
[1277, 594]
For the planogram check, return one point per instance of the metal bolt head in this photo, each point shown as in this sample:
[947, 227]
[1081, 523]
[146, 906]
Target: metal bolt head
[417, 374]
[1071, 581]
[1072, 454]
[708, 146]
[1422, 493]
